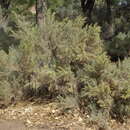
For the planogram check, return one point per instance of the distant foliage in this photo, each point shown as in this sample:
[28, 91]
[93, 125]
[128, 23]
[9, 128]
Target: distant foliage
[119, 46]
[65, 8]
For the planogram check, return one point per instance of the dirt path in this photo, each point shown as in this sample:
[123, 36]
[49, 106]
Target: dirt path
[19, 125]
[12, 125]
[27, 116]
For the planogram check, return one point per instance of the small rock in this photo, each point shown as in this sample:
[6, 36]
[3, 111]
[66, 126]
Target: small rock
[53, 111]
[80, 119]
[28, 121]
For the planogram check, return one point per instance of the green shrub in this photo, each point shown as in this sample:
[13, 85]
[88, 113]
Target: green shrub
[62, 59]
[106, 88]
[119, 46]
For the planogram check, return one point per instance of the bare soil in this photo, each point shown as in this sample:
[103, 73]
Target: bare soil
[46, 116]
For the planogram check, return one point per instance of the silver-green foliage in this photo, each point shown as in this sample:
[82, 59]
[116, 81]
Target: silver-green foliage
[65, 60]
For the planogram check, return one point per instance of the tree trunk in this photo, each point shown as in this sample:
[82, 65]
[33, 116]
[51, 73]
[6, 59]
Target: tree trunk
[40, 6]
[109, 14]
[87, 7]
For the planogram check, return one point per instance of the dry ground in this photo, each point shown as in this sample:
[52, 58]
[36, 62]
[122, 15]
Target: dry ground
[45, 116]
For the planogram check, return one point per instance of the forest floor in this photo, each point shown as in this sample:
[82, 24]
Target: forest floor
[46, 116]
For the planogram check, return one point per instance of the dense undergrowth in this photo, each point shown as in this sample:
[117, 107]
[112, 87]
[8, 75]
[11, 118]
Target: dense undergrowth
[64, 61]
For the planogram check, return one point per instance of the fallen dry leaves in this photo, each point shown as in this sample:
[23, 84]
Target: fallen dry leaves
[49, 115]
[40, 115]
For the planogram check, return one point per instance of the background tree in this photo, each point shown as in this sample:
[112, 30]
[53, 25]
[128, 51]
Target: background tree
[88, 6]
[65, 8]
[40, 7]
